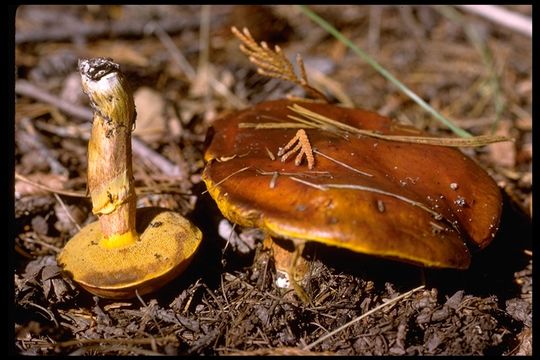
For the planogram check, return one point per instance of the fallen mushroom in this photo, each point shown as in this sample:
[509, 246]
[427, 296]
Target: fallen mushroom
[128, 249]
[412, 202]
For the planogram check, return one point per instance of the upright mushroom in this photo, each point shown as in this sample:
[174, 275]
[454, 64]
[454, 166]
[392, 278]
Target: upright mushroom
[128, 249]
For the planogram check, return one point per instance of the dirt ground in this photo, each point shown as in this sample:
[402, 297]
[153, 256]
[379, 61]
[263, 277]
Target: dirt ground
[187, 70]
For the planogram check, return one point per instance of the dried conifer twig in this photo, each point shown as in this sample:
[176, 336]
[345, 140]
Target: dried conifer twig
[273, 63]
[302, 146]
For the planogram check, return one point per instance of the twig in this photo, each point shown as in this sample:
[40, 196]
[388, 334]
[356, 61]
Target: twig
[280, 351]
[42, 243]
[68, 213]
[46, 311]
[309, 174]
[188, 70]
[287, 125]
[203, 68]
[23, 87]
[26, 88]
[173, 50]
[166, 166]
[36, 141]
[47, 188]
[147, 311]
[499, 15]
[93, 30]
[332, 86]
[408, 20]
[392, 301]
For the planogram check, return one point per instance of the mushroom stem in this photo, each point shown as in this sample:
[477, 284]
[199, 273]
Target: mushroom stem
[110, 174]
[297, 254]
[290, 263]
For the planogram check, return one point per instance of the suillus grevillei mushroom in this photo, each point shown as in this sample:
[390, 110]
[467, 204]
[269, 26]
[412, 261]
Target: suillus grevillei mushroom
[417, 203]
[128, 250]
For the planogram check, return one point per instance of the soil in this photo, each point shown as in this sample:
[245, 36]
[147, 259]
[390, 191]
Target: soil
[228, 302]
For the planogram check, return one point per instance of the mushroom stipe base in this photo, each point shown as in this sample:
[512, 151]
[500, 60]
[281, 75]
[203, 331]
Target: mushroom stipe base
[166, 245]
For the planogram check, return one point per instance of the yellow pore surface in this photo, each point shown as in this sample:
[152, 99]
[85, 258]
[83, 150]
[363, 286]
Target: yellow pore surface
[166, 241]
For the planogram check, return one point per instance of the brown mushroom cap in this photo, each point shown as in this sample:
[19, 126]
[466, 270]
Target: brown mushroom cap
[166, 245]
[440, 178]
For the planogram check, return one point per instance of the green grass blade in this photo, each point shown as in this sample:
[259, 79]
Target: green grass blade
[332, 30]
[499, 100]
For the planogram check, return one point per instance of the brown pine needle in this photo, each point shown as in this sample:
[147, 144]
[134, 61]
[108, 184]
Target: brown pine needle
[226, 178]
[326, 123]
[272, 125]
[341, 163]
[272, 183]
[310, 174]
[270, 154]
[325, 187]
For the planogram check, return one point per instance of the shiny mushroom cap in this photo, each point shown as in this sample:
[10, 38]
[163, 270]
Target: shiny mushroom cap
[412, 202]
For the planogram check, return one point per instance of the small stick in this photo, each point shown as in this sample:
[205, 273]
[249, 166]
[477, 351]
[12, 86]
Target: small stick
[499, 15]
[173, 50]
[130, 27]
[42, 243]
[47, 188]
[23, 87]
[26, 88]
[37, 142]
[190, 73]
[68, 213]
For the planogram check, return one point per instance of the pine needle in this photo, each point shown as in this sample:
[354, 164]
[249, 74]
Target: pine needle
[324, 187]
[334, 126]
[411, 94]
